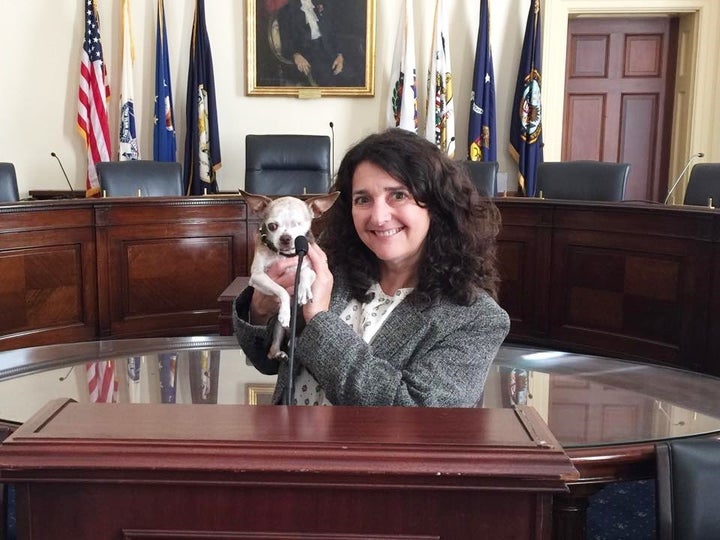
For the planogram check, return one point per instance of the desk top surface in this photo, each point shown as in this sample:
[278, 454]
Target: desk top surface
[587, 401]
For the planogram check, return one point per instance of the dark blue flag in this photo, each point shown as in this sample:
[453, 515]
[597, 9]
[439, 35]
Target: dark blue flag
[202, 145]
[164, 144]
[482, 143]
[526, 121]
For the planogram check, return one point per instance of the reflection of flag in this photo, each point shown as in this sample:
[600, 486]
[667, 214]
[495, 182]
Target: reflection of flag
[93, 95]
[204, 376]
[133, 378]
[402, 108]
[202, 145]
[164, 144]
[482, 144]
[526, 121]
[168, 376]
[102, 384]
[128, 148]
[515, 386]
[440, 115]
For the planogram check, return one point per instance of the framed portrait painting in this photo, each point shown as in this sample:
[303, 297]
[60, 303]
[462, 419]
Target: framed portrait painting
[310, 48]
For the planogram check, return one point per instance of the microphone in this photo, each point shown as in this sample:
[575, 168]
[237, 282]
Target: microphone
[682, 173]
[62, 379]
[301, 249]
[301, 245]
[72, 191]
[332, 150]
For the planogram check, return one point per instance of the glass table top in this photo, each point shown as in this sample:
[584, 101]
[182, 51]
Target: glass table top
[586, 400]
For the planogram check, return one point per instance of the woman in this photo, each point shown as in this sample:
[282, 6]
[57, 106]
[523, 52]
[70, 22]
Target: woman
[403, 309]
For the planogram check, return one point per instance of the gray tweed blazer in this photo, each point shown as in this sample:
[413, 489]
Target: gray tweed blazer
[434, 355]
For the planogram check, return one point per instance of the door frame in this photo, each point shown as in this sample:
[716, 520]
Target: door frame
[697, 90]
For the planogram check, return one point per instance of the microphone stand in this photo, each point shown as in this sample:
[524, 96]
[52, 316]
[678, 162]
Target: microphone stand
[682, 173]
[72, 191]
[301, 247]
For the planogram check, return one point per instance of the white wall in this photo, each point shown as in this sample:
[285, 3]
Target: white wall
[40, 43]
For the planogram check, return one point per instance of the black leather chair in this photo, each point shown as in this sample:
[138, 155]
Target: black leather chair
[688, 489]
[152, 178]
[484, 175]
[287, 164]
[8, 183]
[582, 180]
[704, 184]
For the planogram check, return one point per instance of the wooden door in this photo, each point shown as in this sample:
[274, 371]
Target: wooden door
[618, 97]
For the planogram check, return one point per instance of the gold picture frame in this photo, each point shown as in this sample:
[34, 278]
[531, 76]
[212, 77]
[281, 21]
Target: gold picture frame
[259, 393]
[277, 27]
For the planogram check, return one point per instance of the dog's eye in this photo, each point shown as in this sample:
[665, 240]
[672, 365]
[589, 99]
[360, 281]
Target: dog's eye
[272, 227]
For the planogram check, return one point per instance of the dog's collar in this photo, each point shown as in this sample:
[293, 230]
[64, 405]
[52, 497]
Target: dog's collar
[263, 232]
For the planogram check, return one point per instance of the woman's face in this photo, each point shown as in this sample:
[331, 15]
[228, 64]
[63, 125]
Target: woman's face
[387, 218]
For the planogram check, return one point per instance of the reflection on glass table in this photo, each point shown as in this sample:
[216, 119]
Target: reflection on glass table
[586, 400]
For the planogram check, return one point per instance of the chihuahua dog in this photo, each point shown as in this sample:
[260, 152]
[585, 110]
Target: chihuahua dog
[283, 220]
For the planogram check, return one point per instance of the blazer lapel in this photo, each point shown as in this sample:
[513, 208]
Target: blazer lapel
[399, 328]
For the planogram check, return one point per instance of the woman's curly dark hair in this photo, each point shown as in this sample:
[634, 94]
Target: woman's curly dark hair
[460, 257]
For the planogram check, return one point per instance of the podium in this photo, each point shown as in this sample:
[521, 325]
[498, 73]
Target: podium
[161, 471]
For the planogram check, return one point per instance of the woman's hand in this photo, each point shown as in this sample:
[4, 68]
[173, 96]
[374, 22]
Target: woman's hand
[322, 286]
[263, 306]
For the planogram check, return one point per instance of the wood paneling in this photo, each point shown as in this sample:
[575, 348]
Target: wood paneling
[626, 280]
[166, 262]
[48, 289]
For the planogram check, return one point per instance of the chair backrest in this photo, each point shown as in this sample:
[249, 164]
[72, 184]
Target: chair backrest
[152, 178]
[287, 164]
[8, 183]
[688, 489]
[484, 175]
[704, 183]
[582, 180]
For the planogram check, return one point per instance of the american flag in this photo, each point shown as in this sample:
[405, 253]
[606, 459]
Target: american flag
[102, 383]
[93, 96]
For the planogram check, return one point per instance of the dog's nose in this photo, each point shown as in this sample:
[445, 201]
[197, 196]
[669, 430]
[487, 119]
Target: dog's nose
[286, 239]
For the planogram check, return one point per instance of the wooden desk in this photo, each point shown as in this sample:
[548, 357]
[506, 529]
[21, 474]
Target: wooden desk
[141, 471]
[628, 280]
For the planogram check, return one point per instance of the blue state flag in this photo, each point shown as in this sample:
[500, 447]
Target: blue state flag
[482, 141]
[164, 143]
[526, 144]
[202, 144]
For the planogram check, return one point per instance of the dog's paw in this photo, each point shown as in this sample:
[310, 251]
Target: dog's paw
[280, 356]
[304, 295]
[284, 317]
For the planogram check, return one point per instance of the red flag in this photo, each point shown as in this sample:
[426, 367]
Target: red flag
[93, 96]
[102, 383]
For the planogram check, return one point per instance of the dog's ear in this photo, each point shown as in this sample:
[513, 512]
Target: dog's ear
[319, 205]
[257, 203]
